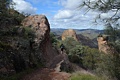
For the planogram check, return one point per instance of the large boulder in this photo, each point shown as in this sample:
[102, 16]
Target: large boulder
[69, 33]
[42, 43]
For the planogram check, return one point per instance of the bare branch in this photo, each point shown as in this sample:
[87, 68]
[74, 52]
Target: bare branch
[85, 3]
[102, 2]
[87, 11]
[115, 13]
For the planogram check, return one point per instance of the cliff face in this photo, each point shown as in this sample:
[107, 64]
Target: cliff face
[41, 27]
[69, 33]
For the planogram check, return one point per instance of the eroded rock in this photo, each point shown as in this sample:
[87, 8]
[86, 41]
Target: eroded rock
[69, 33]
[41, 27]
[104, 46]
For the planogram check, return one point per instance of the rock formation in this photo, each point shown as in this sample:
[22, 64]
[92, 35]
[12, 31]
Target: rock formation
[69, 33]
[41, 27]
[103, 45]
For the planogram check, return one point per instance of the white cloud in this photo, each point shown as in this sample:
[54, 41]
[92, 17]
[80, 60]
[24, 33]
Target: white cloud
[108, 14]
[70, 16]
[23, 6]
[64, 14]
[73, 24]
[70, 4]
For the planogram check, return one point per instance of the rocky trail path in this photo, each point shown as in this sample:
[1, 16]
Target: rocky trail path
[50, 73]
[47, 74]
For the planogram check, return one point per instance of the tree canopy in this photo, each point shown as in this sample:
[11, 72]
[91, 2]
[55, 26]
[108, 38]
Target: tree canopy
[9, 16]
[112, 7]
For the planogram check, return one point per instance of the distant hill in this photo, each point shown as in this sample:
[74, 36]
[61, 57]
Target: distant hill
[87, 41]
[57, 31]
[90, 33]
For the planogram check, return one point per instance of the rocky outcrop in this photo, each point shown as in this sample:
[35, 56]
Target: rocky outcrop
[69, 33]
[104, 46]
[26, 46]
[41, 42]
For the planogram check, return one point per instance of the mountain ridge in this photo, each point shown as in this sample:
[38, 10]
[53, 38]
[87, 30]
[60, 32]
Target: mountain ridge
[91, 33]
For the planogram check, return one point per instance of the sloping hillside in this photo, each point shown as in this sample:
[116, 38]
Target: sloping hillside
[87, 41]
[90, 33]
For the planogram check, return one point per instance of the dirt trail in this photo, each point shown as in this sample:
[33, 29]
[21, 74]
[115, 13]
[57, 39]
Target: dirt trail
[50, 73]
[47, 74]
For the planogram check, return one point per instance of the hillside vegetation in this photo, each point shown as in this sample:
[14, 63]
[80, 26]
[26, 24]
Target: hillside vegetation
[91, 59]
[25, 49]
[83, 76]
[16, 56]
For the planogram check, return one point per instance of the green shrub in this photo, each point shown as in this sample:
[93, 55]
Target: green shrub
[108, 65]
[80, 76]
[76, 54]
[20, 31]
[70, 43]
[4, 46]
[53, 39]
[90, 58]
[17, 76]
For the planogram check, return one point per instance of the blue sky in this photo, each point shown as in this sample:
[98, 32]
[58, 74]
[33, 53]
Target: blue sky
[60, 13]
